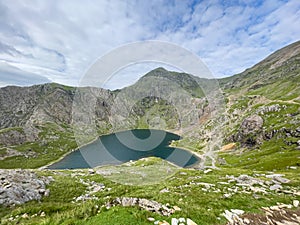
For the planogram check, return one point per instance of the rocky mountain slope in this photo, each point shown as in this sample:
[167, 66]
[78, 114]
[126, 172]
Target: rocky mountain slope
[261, 103]
[253, 143]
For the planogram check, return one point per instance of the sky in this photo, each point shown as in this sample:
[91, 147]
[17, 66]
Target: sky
[58, 40]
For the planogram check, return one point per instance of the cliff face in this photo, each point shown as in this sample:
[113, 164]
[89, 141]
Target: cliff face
[25, 108]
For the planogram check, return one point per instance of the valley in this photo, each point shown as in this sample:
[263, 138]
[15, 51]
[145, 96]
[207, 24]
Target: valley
[258, 119]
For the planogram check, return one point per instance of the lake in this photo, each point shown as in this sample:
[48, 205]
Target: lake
[121, 147]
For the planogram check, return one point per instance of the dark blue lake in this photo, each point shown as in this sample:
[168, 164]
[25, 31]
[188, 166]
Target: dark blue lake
[121, 147]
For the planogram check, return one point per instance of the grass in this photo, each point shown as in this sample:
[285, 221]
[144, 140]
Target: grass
[204, 207]
[53, 143]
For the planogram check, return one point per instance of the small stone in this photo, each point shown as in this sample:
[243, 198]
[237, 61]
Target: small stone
[151, 219]
[207, 171]
[174, 221]
[163, 223]
[228, 215]
[296, 203]
[42, 191]
[43, 214]
[297, 193]
[181, 219]
[165, 190]
[285, 206]
[281, 180]
[293, 167]
[47, 193]
[91, 171]
[246, 221]
[275, 208]
[190, 222]
[227, 195]
[25, 216]
[176, 208]
[237, 211]
[275, 187]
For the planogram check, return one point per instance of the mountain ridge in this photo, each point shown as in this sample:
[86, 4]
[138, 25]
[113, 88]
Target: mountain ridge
[36, 113]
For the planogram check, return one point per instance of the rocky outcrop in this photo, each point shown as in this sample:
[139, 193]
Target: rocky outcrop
[20, 186]
[24, 108]
[145, 204]
[12, 137]
[250, 131]
[281, 214]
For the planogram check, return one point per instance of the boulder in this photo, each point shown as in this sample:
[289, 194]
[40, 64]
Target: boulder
[250, 131]
[20, 186]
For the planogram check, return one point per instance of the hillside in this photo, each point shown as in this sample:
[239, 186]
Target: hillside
[250, 149]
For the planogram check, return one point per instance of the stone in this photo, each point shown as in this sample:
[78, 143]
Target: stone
[174, 221]
[165, 190]
[190, 222]
[151, 219]
[163, 223]
[275, 187]
[43, 214]
[143, 203]
[281, 179]
[176, 208]
[249, 133]
[20, 186]
[227, 195]
[91, 171]
[47, 193]
[275, 208]
[181, 220]
[237, 211]
[228, 215]
[207, 171]
[296, 203]
[246, 221]
[25, 216]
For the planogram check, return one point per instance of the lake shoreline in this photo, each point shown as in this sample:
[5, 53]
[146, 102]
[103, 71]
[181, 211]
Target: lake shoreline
[193, 155]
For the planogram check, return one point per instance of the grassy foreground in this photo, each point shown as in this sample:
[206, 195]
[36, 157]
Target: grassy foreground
[187, 189]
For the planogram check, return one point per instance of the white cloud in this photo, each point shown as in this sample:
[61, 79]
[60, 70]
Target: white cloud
[59, 40]
[10, 75]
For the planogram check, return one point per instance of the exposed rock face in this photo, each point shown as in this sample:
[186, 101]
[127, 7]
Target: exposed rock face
[12, 137]
[250, 131]
[25, 107]
[20, 186]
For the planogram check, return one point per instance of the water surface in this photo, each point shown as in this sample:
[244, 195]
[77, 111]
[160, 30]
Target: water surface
[121, 147]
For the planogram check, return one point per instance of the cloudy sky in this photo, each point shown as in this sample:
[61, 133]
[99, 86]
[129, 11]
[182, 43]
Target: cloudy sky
[57, 41]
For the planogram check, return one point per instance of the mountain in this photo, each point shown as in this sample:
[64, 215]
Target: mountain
[278, 72]
[246, 132]
[262, 102]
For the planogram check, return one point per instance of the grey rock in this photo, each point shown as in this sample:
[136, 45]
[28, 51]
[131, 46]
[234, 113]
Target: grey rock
[250, 131]
[275, 187]
[145, 204]
[20, 186]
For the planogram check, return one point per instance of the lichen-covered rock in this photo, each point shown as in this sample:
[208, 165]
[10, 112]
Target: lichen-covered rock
[20, 186]
[250, 131]
[143, 203]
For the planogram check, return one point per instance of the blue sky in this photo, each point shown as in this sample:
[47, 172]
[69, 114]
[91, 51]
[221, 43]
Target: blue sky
[57, 41]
